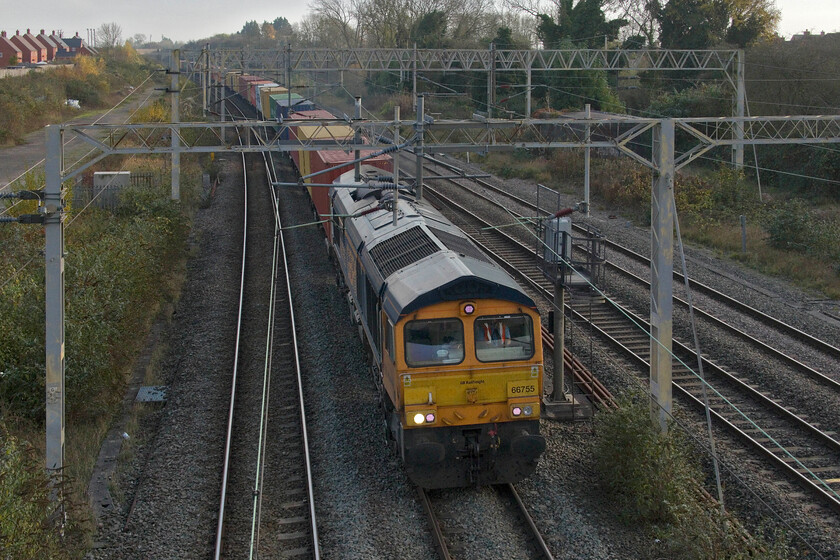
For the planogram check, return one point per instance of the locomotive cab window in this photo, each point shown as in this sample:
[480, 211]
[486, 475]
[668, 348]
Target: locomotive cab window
[500, 338]
[433, 342]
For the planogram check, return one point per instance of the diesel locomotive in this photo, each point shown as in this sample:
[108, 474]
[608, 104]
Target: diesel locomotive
[454, 341]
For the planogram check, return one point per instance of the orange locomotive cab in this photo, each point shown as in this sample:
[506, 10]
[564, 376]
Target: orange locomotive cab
[468, 383]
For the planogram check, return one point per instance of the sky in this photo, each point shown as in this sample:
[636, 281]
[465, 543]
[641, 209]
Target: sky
[183, 20]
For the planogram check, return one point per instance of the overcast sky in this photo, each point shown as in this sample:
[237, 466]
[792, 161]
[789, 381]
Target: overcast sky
[183, 20]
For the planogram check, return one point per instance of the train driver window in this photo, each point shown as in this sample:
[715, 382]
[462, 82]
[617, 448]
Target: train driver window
[500, 338]
[433, 342]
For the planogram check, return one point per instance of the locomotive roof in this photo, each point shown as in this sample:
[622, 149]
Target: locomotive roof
[422, 260]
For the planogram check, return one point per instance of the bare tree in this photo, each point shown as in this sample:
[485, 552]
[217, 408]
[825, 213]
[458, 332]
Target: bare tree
[342, 17]
[109, 35]
[138, 39]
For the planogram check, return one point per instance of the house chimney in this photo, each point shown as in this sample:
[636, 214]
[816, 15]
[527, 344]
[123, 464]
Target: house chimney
[2, 33]
[42, 32]
[27, 32]
[17, 31]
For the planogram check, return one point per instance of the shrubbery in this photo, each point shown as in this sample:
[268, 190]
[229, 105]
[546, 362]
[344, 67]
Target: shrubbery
[29, 102]
[31, 523]
[113, 265]
[653, 479]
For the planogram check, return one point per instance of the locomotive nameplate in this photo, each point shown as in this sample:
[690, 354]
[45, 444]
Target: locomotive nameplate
[521, 388]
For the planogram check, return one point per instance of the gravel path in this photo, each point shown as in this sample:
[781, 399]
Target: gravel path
[174, 480]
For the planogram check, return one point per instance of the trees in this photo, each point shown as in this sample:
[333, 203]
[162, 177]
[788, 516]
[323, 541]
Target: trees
[698, 24]
[109, 35]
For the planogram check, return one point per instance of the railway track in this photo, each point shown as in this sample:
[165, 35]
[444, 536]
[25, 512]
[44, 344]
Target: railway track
[449, 535]
[793, 444]
[831, 351]
[266, 507]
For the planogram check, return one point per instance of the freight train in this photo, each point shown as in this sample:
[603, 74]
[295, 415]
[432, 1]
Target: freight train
[455, 341]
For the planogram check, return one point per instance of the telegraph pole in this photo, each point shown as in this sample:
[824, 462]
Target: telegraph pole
[357, 139]
[418, 146]
[54, 258]
[740, 102]
[491, 81]
[205, 79]
[175, 73]
[661, 274]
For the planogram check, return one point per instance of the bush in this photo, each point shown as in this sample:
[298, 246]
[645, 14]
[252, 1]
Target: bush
[87, 94]
[31, 523]
[649, 475]
[113, 265]
[653, 479]
[791, 225]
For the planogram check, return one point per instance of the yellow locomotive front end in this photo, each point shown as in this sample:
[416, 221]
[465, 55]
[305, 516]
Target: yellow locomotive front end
[468, 379]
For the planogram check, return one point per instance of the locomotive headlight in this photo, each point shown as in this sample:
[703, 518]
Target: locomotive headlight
[516, 411]
[419, 418]
[430, 417]
[528, 411]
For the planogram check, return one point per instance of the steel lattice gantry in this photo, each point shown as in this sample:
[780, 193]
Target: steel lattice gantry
[283, 62]
[430, 136]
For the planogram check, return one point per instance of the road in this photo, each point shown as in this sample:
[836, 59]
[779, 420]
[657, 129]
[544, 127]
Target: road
[15, 160]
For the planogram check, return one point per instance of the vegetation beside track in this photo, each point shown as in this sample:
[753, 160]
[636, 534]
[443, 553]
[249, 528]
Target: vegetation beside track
[124, 265]
[29, 102]
[788, 235]
[652, 480]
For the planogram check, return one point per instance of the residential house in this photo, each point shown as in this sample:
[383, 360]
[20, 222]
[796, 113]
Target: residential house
[30, 53]
[63, 48]
[42, 48]
[8, 51]
[78, 46]
[52, 46]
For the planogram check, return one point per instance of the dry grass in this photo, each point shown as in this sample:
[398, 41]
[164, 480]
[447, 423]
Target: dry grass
[801, 269]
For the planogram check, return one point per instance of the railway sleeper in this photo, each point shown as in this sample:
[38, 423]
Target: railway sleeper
[305, 551]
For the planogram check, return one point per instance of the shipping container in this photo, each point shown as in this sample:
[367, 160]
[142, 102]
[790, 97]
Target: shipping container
[283, 104]
[252, 92]
[244, 81]
[314, 114]
[337, 163]
[232, 80]
[265, 98]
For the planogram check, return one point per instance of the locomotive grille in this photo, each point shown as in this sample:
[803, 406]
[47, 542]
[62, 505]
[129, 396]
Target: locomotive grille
[401, 250]
[460, 245]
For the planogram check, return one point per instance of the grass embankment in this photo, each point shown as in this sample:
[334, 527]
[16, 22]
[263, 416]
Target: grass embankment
[30, 102]
[123, 264]
[788, 235]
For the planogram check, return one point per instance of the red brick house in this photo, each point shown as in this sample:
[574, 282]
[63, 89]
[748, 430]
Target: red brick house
[43, 52]
[31, 53]
[63, 48]
[52, 46]
[8, 50]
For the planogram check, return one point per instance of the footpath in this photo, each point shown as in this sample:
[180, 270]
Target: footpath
[15, 160]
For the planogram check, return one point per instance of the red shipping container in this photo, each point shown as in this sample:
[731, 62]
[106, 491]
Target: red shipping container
[333, 160]
[242, 84]
[252, 91]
